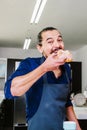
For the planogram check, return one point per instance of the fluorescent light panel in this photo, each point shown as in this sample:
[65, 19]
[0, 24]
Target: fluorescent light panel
[40, 4]
[40, 10]
[35, 11]
[26, 43]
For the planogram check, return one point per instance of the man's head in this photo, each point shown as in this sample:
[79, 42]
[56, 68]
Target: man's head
[49, 41]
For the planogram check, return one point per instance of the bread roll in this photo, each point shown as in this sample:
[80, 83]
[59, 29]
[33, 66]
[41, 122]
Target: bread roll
[66, 54]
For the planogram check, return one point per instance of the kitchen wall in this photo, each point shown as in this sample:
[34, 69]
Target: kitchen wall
[78, 55]
[81, 55]
[18, 53]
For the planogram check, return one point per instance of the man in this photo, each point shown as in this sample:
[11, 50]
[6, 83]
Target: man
[45, 82]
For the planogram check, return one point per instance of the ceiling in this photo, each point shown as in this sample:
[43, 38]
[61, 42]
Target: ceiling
[69, 16]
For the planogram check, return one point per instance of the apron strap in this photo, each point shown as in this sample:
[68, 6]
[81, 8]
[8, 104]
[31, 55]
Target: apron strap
[45, 75]
[70, 86]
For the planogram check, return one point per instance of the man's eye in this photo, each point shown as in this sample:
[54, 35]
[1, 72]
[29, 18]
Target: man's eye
[59, 40]
[50, 41]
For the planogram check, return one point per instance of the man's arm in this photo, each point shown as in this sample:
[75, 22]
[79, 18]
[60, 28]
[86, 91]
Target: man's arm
[72, 117]
[21, 84]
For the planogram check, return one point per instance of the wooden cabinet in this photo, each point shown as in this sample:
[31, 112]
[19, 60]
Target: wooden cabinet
[76, 74]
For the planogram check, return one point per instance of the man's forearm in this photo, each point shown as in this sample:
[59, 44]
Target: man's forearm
[21, 84]
[72, 117]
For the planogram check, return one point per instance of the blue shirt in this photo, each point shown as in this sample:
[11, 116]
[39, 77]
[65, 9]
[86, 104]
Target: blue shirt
[33, 95]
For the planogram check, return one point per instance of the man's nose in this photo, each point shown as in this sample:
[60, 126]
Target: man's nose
[56, 44]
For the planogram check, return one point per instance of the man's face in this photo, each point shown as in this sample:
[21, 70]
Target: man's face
[51, 42]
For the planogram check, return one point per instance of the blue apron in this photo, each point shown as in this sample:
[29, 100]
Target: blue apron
[51, 111]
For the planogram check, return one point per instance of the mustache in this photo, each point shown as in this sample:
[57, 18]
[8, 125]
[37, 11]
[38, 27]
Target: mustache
[55, 50]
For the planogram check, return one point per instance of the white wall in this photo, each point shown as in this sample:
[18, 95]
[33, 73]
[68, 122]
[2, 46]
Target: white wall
[81, 55]
[18, 53]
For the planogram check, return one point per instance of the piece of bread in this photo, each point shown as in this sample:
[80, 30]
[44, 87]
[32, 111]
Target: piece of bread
[66, 54]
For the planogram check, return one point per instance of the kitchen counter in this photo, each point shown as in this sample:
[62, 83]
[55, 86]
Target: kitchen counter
[81, 112]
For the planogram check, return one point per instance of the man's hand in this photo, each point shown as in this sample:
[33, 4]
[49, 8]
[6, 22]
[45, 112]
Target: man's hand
[52, 62]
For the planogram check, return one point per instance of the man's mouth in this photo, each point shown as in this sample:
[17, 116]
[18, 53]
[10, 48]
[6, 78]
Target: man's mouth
[55, 50]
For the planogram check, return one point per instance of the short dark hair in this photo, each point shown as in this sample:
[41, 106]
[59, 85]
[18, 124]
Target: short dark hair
[44, 30]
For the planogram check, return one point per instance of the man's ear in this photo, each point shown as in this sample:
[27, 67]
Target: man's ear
[39, 47]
